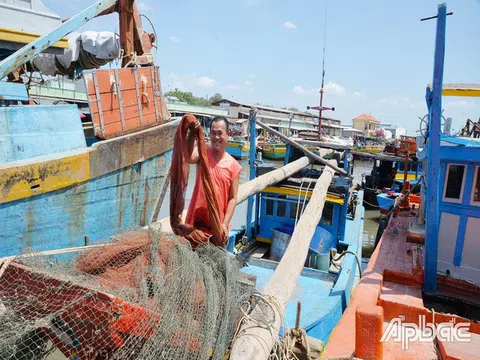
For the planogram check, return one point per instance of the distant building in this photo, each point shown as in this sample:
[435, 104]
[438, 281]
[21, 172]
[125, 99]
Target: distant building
[204, 114]
[367, 124]
[396, 131]
[279, 119]
[349, 131]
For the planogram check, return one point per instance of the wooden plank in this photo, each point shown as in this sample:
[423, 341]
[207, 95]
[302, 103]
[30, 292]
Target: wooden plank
[111, 116]
[256, 340]
[262, 182]
[126, 76]
[129, 98]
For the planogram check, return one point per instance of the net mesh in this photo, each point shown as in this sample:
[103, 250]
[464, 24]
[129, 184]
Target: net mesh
[142, 295]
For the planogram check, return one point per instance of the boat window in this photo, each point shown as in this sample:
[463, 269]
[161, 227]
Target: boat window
[269, 207]
[281, 206]
[476, 187]
[454, 182]
[293, 210]
[327, 214]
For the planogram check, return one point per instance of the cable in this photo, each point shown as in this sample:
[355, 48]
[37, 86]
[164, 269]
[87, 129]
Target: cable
[359, 263]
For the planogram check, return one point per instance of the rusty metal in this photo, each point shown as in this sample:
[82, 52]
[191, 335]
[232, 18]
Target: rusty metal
[99, 101]
[139, 99]
[154, 84]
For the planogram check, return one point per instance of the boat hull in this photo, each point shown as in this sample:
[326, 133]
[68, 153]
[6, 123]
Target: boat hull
[385, 202]
[238, 151]
[277, 153]
[101, 191]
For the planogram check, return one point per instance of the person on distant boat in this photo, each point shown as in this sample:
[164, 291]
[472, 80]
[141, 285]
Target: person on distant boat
[225, 171]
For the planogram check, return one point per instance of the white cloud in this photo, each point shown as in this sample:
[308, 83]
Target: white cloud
[247, 82]
[189, 82]
[144, 7]
[299, 90]
[206, 81]
[289, 25]
[173, 39]
[334, 88]
[357, 94]
[233, 87]
[252, 76]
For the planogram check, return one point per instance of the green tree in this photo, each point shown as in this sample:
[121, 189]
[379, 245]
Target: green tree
[191, 99]
[216, 97]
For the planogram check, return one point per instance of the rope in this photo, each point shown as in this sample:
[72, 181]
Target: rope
[366, 202]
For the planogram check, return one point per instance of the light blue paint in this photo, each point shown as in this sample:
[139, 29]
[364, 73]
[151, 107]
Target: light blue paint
[30, 131]
[459, 153]
[324, 296]
[434, 104]
[463, 141]
[105, 206]
[237, 152]
[31, 50]
[13, 91]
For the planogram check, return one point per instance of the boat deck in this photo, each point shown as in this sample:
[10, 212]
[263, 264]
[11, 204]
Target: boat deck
[313, 290]
[393, 281]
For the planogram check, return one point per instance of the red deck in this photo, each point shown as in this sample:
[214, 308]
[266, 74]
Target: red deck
[391, 287]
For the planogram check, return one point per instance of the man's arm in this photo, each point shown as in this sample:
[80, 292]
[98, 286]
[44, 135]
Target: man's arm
[232, 203]
[192, 150]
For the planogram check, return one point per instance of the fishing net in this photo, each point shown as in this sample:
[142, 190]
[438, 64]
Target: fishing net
[142, 295]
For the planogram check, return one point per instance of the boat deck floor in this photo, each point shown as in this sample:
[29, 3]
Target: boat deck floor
[393, 280]
[313, 290]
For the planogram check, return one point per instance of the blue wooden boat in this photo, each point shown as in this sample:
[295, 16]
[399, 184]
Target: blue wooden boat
[324, 287]
[55, 190]
[239, 149]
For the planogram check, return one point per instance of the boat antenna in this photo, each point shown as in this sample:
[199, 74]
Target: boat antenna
[321, 108]
[323, 72]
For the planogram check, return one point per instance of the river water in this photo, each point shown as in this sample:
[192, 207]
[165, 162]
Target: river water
[239, 218]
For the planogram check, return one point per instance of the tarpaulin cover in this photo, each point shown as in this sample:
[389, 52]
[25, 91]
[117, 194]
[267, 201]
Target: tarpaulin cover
[178, 185]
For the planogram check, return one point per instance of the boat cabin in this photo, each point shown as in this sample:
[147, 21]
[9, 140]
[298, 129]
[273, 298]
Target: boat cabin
[459, 187]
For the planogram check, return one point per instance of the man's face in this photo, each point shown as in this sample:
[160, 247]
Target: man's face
[219, 136]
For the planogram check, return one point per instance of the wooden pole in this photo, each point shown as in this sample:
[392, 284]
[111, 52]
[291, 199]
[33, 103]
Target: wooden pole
[302, 148]
[255, 339]
[260, 183]
[161, 197]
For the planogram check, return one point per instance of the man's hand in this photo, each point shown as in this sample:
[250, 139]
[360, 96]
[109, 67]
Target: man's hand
[225, 231]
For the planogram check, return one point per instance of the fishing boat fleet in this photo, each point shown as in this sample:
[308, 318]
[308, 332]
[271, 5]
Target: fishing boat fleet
[70, 180]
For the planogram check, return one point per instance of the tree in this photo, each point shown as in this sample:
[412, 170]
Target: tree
[190, 99]
[216, 97]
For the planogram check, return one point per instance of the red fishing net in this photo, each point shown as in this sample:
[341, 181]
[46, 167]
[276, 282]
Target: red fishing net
[178, 185]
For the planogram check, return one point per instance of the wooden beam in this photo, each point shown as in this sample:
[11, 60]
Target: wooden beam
[380, 156]
[260, 183]
[255, 342]
[323, 144]
[302, 148]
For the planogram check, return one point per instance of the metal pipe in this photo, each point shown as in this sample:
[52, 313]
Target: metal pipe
[301, 148]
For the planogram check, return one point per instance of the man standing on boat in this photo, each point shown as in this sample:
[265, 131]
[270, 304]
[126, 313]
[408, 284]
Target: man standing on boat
[225, 172]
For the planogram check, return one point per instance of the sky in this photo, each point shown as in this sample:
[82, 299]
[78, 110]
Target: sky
[378, 58]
